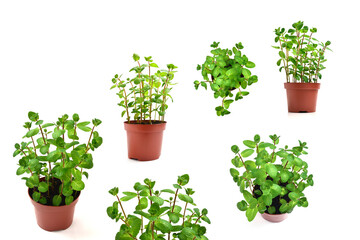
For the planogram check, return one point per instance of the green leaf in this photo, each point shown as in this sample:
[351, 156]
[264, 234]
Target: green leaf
[231, 72]
[251, 213]
[271, 170]
[157, 200]
[69, 200]
[285, 175]
[36, 196]
[246, 73]
[43, 187]
[162, 225]
[185, 198]
[250, 144]
[45, 149]
[294, 196]
[250, 64]
[58, 132]
[235, 149]
[56, 200]
[248, 197]
[173, 217]
[281, 54]
[242, 206]
[32, 132]
[234, 172]
[78, 185]
[247, 152]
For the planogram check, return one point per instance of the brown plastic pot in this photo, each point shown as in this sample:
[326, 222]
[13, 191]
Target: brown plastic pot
[275, 218]
[144, 140]
[54, 218]
[301, 97]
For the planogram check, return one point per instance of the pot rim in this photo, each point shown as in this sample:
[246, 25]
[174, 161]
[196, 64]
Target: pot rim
[275, 214]
[132, 122]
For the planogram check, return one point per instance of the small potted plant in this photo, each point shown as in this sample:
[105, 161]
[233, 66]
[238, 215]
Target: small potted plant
[55, 162]
[144, 99]
[228, 75]
[301, 57]
[157, 216]
[276, 178]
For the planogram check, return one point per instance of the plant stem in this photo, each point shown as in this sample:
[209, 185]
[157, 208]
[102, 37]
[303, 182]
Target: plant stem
[184, 214]
[87, 146]
[122, 209]
[285, 66]
[151, 87]
[141, 94]
[142, 218]
[32, 139]
[164, 96]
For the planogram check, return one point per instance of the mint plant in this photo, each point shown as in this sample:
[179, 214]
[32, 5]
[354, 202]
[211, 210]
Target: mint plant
[144, 97]
[275, 187]
[54, 158]
[159, 217]
[301, 55]
[229, 72]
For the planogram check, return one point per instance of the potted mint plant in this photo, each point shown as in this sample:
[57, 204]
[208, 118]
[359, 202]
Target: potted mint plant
[144, 99]
[157, 216]
[227, 73]
[301, 57]
[55, 163]
[273, 180]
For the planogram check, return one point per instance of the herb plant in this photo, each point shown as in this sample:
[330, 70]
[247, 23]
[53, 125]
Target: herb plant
[145, 95]
[301, 55]
[55, 159]
[159, 217]
[275, 186]
[228, 71]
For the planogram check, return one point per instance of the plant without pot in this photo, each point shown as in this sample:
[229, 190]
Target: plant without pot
[275, 188]
[145, 97]
[56, 172]
[159, 214]
[302, 56]
[227, 74]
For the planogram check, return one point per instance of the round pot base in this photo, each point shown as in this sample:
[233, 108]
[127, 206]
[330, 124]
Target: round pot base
[144, 140]
[54, 218]
[274, 218]
[302, 97]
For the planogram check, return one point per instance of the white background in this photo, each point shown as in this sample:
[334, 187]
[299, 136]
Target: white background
[59, 57]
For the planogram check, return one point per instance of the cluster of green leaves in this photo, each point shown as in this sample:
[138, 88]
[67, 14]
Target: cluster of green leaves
[275, 187]
[48, 157]
[228, 71]
[301, 55]
[145, 96]
[156, 216]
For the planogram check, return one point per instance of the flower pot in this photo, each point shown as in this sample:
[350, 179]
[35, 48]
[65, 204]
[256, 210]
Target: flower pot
[275, 218]
[144, 140]
[54, 218]
[302, 97]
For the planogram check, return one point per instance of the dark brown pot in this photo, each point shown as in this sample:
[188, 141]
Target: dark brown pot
[54, 218]
[144, 140]
[302, 97]
[275, 218]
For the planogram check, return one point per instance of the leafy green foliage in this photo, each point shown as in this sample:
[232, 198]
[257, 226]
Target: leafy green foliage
[156, 216]
[52, 153]
[145, 95]
[301, 55]
[228, 71]
[275, 186]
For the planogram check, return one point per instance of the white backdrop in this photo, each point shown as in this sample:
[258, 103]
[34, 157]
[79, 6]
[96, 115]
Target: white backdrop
[59, 57]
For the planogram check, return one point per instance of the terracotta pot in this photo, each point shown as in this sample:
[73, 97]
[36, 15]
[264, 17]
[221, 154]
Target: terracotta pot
[302, 97]
[275, 218]
[144, 140]
[54, 218]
